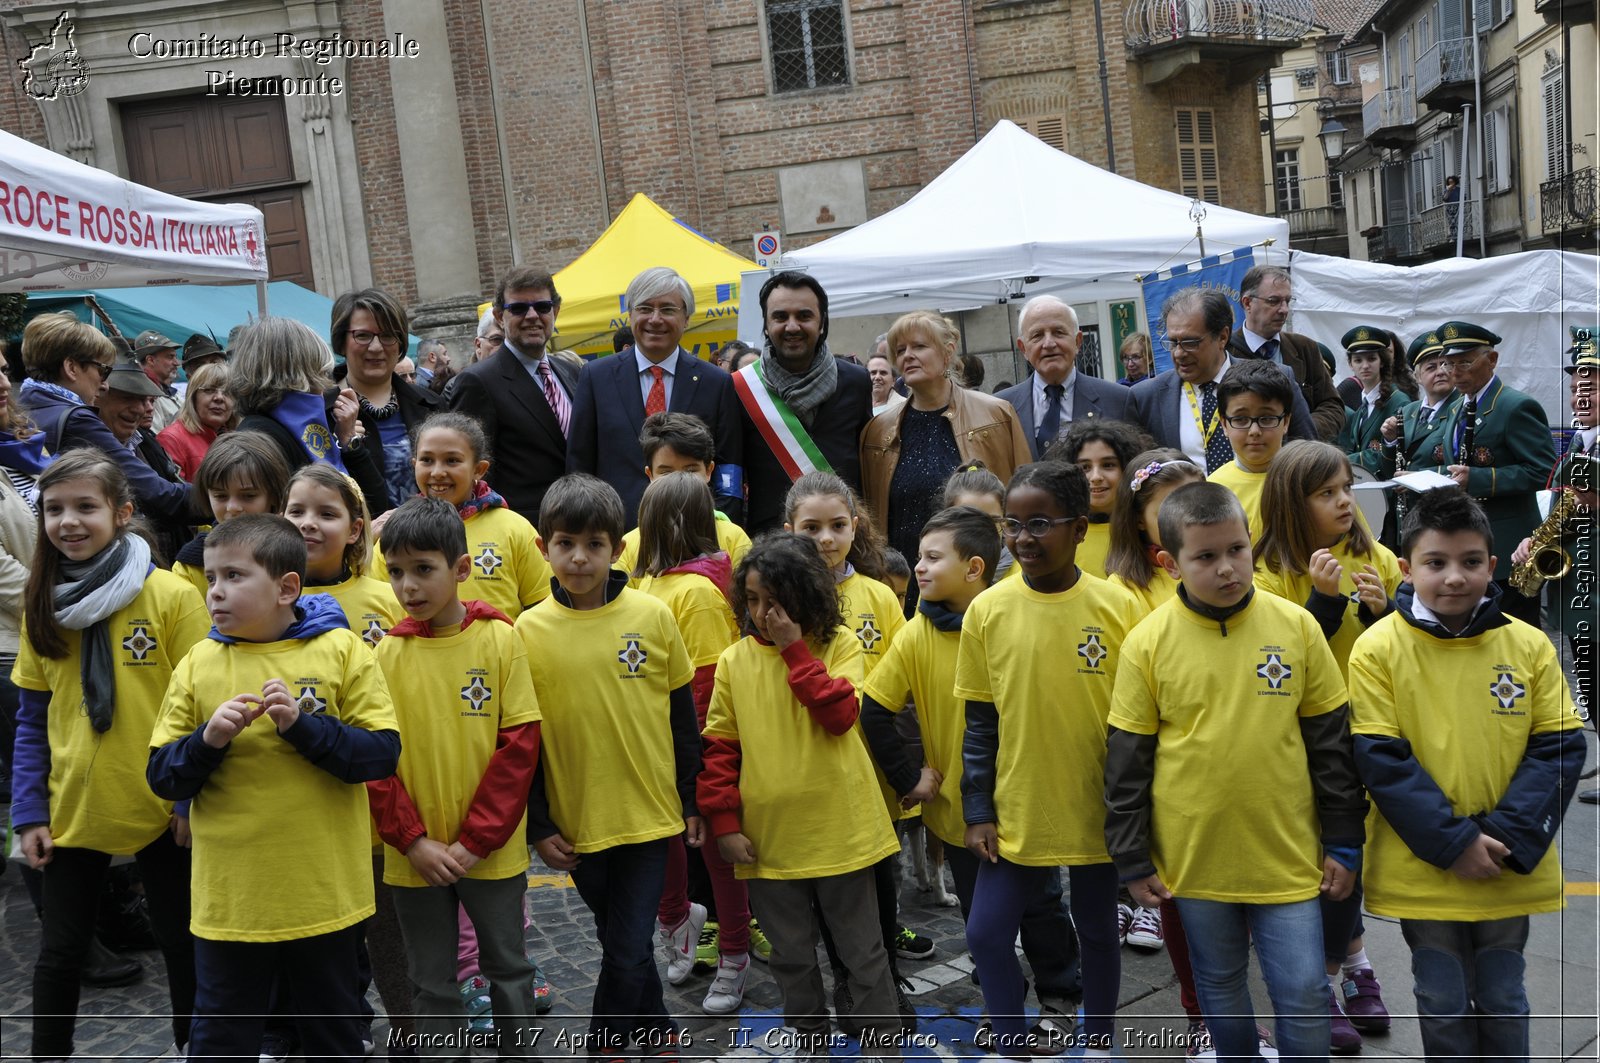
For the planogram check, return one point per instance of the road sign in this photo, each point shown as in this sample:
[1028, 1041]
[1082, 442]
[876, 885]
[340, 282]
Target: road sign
[769, 249]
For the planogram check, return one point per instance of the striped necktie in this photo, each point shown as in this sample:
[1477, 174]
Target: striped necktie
[555, 397]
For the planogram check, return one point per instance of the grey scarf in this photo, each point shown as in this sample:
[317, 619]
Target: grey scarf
[804, 392]
[86, 594]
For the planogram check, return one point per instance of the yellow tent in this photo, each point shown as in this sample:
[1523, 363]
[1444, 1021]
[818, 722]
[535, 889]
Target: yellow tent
[644, 235]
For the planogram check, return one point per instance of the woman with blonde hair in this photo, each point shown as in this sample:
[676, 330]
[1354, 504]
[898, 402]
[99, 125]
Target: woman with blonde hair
[207, 412]
[907, 452]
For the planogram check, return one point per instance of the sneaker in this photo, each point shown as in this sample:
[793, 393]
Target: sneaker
[1054, 1033]
[1264, 1046]
[475, 998]
[1344, 1039]
[912, 945]
[706, 953]
[984, 1038]
[275, 1049]
[760, 947]
[663, 1048]
[727, 986]
[1198, 1042]
[678, 943]
[1146, 932]
[1124, 921]
[1363, 1001]
[543, 999]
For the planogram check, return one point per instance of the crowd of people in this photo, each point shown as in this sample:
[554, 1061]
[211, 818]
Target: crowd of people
[706, 634]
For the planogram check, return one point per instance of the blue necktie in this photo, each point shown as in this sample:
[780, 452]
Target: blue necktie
[1050, 427]
[1218, 450]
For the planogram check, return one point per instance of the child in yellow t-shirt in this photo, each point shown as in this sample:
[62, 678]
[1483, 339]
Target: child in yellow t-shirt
[682, 564]
[1468, 741]
[680, 442]
[451, 457]
[1253, 400]
[974, 485]
[1030, 771]
[620, 752]
[1135, 534]
[1103, 450]
[789, 788]
[328, 508]
[103, 630]
[454, 813]
[243, 472]
[275, 895]
[1229, 780]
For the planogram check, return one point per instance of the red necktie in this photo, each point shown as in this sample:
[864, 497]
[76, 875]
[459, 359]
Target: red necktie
[656, 402]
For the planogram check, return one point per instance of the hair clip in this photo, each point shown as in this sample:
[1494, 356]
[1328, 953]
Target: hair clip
[1141, 475]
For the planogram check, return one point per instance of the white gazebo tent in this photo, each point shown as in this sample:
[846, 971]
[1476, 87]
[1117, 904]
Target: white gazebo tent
[65, 225]
[1013, 217]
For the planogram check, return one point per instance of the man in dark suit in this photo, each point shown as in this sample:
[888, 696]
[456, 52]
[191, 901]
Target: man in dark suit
[522, 395]
[1056, 394]
[1179, 407]
[829, 398]
[1264, 293]
[654, 375]
[1510, 453]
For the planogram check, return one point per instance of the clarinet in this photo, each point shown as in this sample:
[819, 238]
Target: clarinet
[1469, 417]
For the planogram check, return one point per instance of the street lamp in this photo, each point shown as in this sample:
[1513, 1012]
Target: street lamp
[1332, 136]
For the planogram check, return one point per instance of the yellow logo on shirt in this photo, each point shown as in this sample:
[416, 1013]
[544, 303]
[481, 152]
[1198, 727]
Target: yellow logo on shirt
[869, 634]
[477, 694]
[139, 643]
[1274, 671]
[318, 441]
[633, 655]
[1507, 691]
[488, 561]
[1093, 653]
[308, 701]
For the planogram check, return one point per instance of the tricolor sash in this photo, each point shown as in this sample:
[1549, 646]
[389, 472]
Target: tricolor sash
[787, 438]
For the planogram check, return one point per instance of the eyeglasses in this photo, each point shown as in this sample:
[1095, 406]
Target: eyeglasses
[103, 368]
[363, 338]
[1273, 300]
[666, 313]
[1038, 527]
[1189, 344]
[538, 306]
[1242, 424]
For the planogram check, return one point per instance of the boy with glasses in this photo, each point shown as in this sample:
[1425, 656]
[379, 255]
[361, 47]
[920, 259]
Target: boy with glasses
[1255, 398]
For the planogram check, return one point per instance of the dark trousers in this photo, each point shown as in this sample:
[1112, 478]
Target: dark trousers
[1048, 939]
[622, 887]
[73, 883]
[1471, 998]
[888, 908]
[235, 990]
[1341, 923]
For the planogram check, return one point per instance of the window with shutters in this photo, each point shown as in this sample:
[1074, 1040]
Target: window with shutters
[1050, 128]
[1497, 149]
[807, 42]
[1553, 89]
[1286, 170]
[1421, 199]
[1199, 176]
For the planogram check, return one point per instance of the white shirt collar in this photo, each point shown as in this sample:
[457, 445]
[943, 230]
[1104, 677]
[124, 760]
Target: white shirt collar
[1422, 612]
[1227, 362]
[667, 364]
[1252, 340]
[530, 360]
[1478, 398]
[1370, 398]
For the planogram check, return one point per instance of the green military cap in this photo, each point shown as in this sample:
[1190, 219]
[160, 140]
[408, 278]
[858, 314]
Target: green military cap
[1584, 352]
[1424, 346]
[1365, 337]
[1464, 336]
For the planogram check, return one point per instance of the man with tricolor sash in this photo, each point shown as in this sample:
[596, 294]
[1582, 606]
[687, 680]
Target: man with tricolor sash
[803, 408]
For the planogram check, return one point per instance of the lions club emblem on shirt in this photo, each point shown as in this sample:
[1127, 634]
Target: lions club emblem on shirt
[488, 561]
[477, 693]
[1274, 671]
[139, 643]
[1092, 651]
[633, 655]
[1507, 690]
[869, 634]
[373, 633]
[309, 702]
[317, 440]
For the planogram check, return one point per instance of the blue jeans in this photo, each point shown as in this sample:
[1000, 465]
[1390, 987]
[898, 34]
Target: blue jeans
[1471, 1000]
[1288, 940]
[622, 887]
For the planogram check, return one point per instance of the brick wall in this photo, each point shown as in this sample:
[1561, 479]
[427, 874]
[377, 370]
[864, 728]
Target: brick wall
[19, 115]
[1238, 132]
[371, 106]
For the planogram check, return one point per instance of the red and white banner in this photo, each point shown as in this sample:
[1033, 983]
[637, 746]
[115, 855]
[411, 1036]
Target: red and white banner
[66, 225]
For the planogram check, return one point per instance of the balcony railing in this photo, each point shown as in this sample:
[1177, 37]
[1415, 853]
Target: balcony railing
[1568, 203]
[1399, 241]
[1149, 24]
[1445, 63]
[1389, 109]
[1437, 225]
[1315, 221]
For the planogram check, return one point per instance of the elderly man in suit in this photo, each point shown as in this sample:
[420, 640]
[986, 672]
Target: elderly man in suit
[1264, 292]
[521, 394]
[1056, 394]
[654, 375]
[1179, 407]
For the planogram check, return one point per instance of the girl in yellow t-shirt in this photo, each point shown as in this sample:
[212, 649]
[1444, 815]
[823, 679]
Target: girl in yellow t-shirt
[974, 485]
[682, 564]
[788, 789]
[1314, 551]
[450, 456]
[1135, 538]
[102, 631]
[243, 472]
[1103, 450]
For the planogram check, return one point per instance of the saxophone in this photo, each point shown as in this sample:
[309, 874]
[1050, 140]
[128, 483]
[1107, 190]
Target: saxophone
[1546, 558]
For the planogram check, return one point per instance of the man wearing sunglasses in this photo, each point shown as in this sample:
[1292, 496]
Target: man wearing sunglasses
[522, 395]
[1265, 294]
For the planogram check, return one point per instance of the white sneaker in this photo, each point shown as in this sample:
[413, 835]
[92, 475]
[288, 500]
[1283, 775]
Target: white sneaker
[678, 944]
[1145, 933]
[727, 986]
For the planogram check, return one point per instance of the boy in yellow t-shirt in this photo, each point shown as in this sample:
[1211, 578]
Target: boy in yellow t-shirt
[1230, 782]
[452, 816]
[621, 748]
[275, 895]
[1254, 400]
[680, 442]
[1468, 741]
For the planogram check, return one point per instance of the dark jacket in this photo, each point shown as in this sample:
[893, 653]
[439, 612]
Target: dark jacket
[416, 405]
[361, 462]
[1300, 355]
[1159, 405]
[530, 452]
[836, 428]
[1091, 398]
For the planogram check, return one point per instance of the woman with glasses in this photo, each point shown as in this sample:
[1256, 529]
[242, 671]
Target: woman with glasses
[907, 452]
[68, 363]
[370, 332]
[207, 412]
